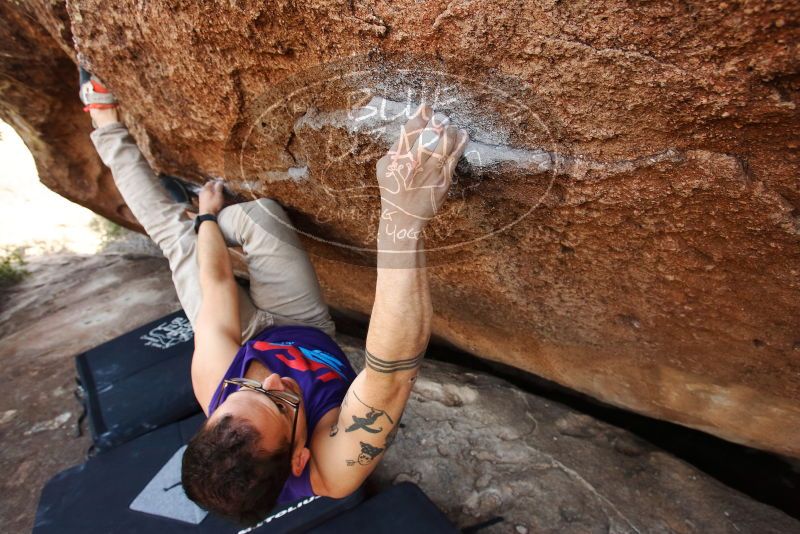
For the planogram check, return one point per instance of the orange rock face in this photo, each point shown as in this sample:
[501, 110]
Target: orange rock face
[625, 222]
[38, 100]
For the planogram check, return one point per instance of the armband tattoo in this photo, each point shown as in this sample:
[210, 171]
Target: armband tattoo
[392, 366]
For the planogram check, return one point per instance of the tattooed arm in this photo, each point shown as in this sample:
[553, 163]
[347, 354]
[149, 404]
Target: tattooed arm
[414, 177]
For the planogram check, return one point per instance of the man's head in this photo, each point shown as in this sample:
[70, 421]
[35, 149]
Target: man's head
[239, 460]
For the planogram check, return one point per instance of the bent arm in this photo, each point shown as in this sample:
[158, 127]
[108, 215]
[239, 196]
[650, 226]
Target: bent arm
[217, 329]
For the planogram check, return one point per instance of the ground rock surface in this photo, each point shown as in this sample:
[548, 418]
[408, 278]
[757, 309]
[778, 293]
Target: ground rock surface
[478, 446]
[482, 449]
[626, 221]
[67, 305]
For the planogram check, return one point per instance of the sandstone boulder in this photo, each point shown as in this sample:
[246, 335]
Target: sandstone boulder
[625, 222]
[38, 91]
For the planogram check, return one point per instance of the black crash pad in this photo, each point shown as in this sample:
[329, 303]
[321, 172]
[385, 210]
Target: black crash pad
[139, 381]
[141, 411]
[96, 496]
[401, 509]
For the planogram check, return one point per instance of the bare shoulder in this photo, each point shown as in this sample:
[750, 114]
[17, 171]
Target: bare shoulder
[350, 441]
[213, 354]
[327, 427]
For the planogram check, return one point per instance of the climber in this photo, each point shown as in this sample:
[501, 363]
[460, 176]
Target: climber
[287, 416]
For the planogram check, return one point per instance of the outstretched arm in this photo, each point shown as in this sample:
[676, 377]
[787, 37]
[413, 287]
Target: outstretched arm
[414, 177]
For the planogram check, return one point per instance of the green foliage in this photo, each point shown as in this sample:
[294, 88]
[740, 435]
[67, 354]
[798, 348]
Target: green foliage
[107, 230]
[12, 267]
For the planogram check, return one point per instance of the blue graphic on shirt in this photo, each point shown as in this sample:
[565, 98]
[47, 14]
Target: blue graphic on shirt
[322, 357]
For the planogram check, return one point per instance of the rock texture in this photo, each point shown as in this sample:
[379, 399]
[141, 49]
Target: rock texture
[478, 446]
[626, 222]
[482, 449]
[67, 305]
[38, 88]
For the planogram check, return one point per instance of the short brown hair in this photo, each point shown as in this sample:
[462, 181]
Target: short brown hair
[225, 470]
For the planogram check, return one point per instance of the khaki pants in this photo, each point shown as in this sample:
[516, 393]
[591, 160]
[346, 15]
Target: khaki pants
[283, 285]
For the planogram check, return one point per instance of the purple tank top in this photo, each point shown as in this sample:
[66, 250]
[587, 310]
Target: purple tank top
[315, 361]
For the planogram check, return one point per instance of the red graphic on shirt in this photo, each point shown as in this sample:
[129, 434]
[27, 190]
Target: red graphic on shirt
[297, 362]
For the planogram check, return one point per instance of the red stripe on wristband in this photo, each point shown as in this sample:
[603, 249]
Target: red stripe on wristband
[99, 106]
